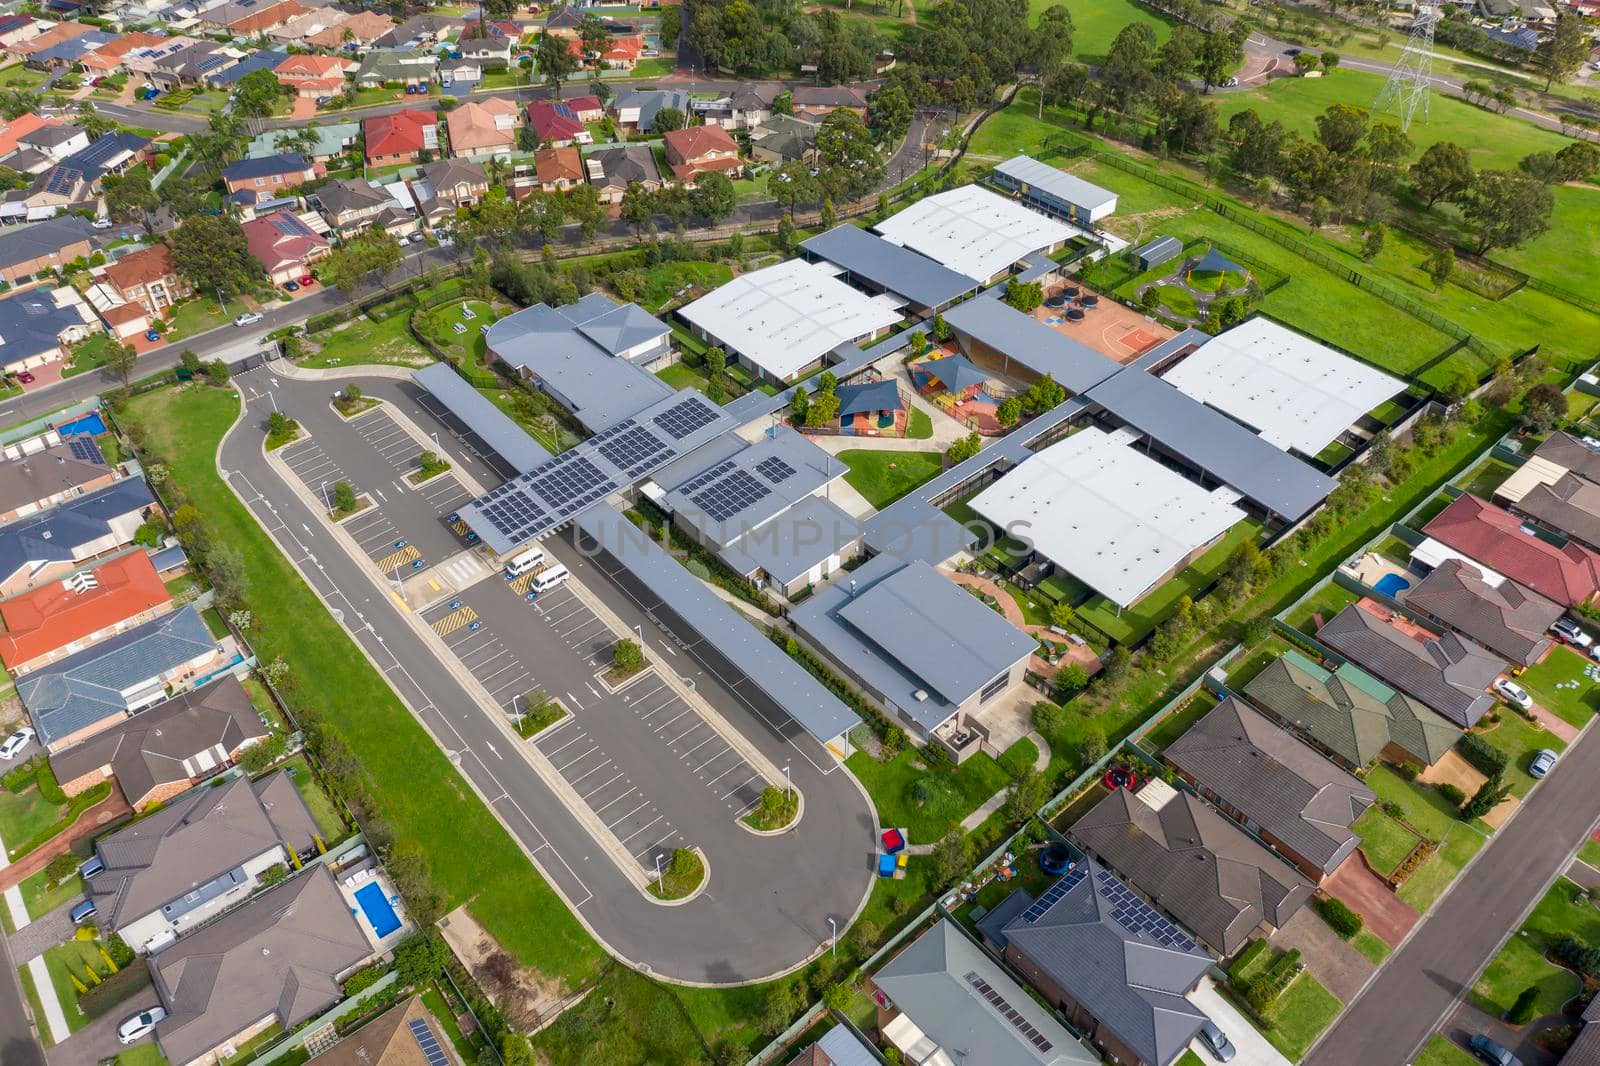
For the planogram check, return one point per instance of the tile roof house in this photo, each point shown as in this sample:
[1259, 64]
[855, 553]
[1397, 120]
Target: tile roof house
[1193, 863]
[12, 130]
[350, 204]
[744, 108]
[636, 109]
[194, 858]
[416, 29]
[1296, 800]
[1115, 967]
[62, 618]
[1570, 504]
[395, 66]
[1349, 715]
[556, 125]
[1446, 672]
[558, 169]
[168, 749]
[278, 960]
[333, 139]
[284, 245]
[73, 698]
[394, 1038]
[587, 108]
[46, 546]
[401, 137]
[309, 74]
[817, 101]
[55, 34]
[784, 139]
[1497, 539]
[360, 29]
[37, 326]
[700, 150]
[1506, 618]
[444, 186]
[283, 170]
[149, 278]
[485, 127]
[612, 170]
[107, 59]
[460, 75]
[32, 249]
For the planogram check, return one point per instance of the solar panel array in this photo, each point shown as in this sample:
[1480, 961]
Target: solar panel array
[1055, 893]
[86, 449]
[730, 495]
[1137, 916]
[701, 480]
[1010, 1013]
[577, 482]
[630, 447]
[427, 1042]
[775, 469]
[682, 419]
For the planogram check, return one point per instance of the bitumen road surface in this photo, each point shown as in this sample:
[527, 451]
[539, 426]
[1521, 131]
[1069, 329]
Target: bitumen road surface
[769, 900]
[17, 1045]
[1420, 985]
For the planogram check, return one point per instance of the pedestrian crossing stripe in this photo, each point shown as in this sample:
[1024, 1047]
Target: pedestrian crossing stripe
[454, 621]
[395, 560]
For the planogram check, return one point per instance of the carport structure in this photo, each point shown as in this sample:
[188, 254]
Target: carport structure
[481, 416]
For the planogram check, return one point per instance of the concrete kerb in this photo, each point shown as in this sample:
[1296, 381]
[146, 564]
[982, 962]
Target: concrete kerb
[799, 813]
[705, 879]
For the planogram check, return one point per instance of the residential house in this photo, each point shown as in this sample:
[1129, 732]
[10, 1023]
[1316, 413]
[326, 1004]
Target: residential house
[63, 617]
[699, 150]
[486, 50]
[37, 481]
[17, 29]
[142, 62]
[351, 205]
[818, 101]
[71, 699]
[1498, 540]
[355, 33]
[1504, 617]
[284, 170]
[192, 65]
[279, 960]
[37, 327]
[784, 139]
[110, 153]
[942, 1000]
[313, 75]
[53, 34]
[47, 546]
[1260, 775]
[1559, 488]
[558, 169]
[1115, 967]
[1445, 671]
[635, 110]
[35, 249]
[460, 76]
[587, 108]
[394, 66]
[407, 1034]
[401, 137]
[418, 29]
[246, 18]
[12, 130]
[284, 245]
[108, 58]
[839, 1046]
[556, 125]
[168, 749]
[1195, 864]
[54, 140]
[612, 170]
[487, 127]
[333, 139]
[298, 29]
[618, 53]
[67, 54]
[226, 79]
[149, 278]
[1349, 715]
[745, 108]
[448, 185]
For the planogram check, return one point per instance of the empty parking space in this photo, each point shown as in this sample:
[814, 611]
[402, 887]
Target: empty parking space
[483, 652]
[314, 467]
[610, 791]
[694, 744]
[385, 436]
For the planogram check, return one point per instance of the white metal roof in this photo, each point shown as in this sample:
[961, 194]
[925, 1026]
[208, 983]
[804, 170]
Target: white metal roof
[786, 316]
[973, 231]
[1105, 512]
[1298, 394]
[1068, 188]
[1529, 476]
[1433, 554]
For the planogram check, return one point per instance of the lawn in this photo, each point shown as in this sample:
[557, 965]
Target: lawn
[1569, 253]
[89, 355]
[1564, 911]
[923, 802]
[555, 441]
[681, 375]
[1384, 841]
[1429, 812]
[1559, 685]
[425, 801]
[146, 1054]
[25, 814]
[1519, 739]
[883, 477]
[1441, 1052]
[1096, 23]
[1178, 723]
[1300, 1015]
[196, 316]
[1590, 853]
[329, 825]
[1484, 478]
[361, 340]
[74, 958]
[1371, 948]
[919, 426]
[468, 345]
[1328, 601]
[1248, 664]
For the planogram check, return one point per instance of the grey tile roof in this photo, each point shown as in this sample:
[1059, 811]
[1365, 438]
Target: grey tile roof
[1509, 620]
[98, 682]
[508, 440]
[200, 836]
[33, 478]
[165, 744]
[931, 981]
[1131, 983]
[1350, 712]
[630, 163]
[1585, 1050]
[266, 59]
[1254, 766]
[265, 166]
[1571, 505]
[1223, 448]
[1195, 865]
[40, 239]
[889, 266]
[1026, 340]
[280, 955]
[1568, 451]
[31, 323]
[95, 160]
[56, 535]
[350, 194]
[1449, 674]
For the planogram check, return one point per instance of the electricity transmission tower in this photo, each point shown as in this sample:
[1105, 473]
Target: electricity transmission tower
[1408, 82]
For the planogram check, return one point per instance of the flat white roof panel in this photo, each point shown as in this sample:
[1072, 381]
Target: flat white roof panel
[973, 231]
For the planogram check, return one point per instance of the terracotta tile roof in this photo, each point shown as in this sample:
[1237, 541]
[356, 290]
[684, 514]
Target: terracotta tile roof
[109, 56]
[363, 27]
[310, 66]
[142, 267]
[686, 171]
[554, 120]
[1497, 539]
[554, 164]
[281, 238]
[19, 127]
[397, 134]
[695, 141]
[57, 614]
[474, 124]
[276, 15]
[1507, 618]
[116, 316]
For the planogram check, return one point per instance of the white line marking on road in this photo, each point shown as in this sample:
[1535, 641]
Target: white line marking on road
[630, 814]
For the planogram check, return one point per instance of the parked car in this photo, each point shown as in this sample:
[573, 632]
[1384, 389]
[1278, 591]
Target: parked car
[306, 279]
[25, 378]
[1291, 52]
[1543, 761]
[101, 223]
[15, 743]
[1512, 692]
[1217, 1042]
[291, 286]
[249, 318]
[91, 866]
[83, 912]
[140, 1024]
[1571, 632]
[152, 335]
[1491, 1052]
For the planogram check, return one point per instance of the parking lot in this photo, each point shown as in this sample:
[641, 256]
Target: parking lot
[482, 651]
[474, 443]
[611, 793]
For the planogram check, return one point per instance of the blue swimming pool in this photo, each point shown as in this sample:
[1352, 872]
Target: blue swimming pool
[1391, 584]
[90, 423]
[375, 905]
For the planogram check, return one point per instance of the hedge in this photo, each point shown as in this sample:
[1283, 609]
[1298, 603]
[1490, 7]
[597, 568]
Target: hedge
[1483, 756]
[1521, 1012]
[1248, 957]
[1344, 921]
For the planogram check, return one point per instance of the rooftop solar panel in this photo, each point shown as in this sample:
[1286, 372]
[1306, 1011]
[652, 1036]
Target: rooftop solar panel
[86, 449]
[1010, 1013]
[427, 1042]
[684, 418]
[1131, 912]
[1055, 893]
[775, 469]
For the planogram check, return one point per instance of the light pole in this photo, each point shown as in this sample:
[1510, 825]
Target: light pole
[325, 501]
[659, 886]
[833, 937]
[787, 787]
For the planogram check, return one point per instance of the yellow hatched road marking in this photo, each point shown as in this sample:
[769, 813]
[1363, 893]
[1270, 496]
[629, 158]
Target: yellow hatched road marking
[520, 585]
[396, 560]
[454, 621]
[460, 526]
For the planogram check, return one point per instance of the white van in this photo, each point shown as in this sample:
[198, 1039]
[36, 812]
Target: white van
[549, 578]
[521, 564]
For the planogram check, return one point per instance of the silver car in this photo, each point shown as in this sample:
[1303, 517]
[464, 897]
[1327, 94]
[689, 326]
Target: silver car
[1543, 762]
[140, 1024]
[1217, 1042]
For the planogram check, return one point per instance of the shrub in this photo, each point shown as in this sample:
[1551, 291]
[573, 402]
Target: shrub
[1484, 757]
[1521, 1012]
[1452, 795]
[61, 867]
[1393, 809]
[1247, 958]
[365, 978]
[1408, 770]
[1344, 921]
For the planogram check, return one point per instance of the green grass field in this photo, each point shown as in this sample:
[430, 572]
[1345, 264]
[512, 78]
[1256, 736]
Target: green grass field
[1384, 841]
[1178, 723]
[24, 814]
[1441, 1052]
[468, 345]
[362, 340]
[1429, 812]
[922, 802]
[1096, 23]
[1327, 602]
[1564, 911]
[1551, 684]
[1519, 739]
[1300, 1015]
[883, 477]
[329, 824]
[1569, 254]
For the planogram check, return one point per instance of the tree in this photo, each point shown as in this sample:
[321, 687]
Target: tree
[669, 119]
[627, 656]
[952, 856]
[582, 205]
[1024, 296]
[1219, 56]
[713, 197]
[211, 251]
[129, 198]
[799, 406]
[593, 33]
[964, 449]
[344, 498]
[1543, 407]
[1562, 53]
[1009, 413]
[353, 262]
[1542, 167]
[1126, 73]
[120, 359]
[638, 205]
[1507, 209]
[1443, 172]
[889, 113]
[1578, 161]
[1093, 748]
[782, 1002]
[554, 58]
[1440, 264]
[1329, 61]
[1372, 244]
[826, 216]
[256, 95]
[849, 163]
[1028, 793]
[1341, 127]
[792, 184]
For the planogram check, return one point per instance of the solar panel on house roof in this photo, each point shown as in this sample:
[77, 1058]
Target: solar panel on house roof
[1135, 915]
[1010, 1013]
[775, 469]
[731, 494]
[684, 418]
[86, 449]
[427, 1042]
[633, 448]
[1055, 893]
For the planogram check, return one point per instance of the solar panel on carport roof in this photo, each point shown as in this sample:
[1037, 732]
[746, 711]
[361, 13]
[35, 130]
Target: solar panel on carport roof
[684, 418]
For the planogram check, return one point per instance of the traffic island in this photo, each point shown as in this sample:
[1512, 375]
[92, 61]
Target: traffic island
[778, 811]
[683, 876]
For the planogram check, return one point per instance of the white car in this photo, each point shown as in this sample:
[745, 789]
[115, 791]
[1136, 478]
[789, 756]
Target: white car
[140, 1024]
[15, 743]
[101, 223]
[249, 318]
[1512, 692]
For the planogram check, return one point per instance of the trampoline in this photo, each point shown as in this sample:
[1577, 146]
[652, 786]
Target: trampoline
[1055, 301]
[1090, 300]
[1075, 314]
[1121, 777]
[1391, 584]
[1055, 859]
[1070, 291]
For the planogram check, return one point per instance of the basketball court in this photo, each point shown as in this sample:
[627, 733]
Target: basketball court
[1107, 326]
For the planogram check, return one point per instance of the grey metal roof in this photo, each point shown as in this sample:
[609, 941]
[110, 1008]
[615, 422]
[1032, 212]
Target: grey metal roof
[57, 534]
[735, 497]
[844, 1048]
[956, 372]
[889, 266]
[1091, 936]
[96, 159]
[932, 981]
[1168, 245]
[660, 584]
[1227, 451]
[795, 541]
[1274, 780]
[1571, 453]
[1076, 367]
[168, 559]
[497, 429]
[623, 327]
[41, 239]
[1195, 864]
[1449, 674]
[98, 682]
[31, 323]
[869, 397]
[649, 101]
[1507, 619]
[1057, 183]
[266, 59]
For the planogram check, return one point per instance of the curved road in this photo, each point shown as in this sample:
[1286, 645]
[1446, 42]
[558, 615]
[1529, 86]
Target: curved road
[769, 901]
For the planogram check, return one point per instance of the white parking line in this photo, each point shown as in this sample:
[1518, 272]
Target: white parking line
[685, 733]
[630, 814]
[597, 769]
[581, 736]
[698, 746]
[740, 785]
[619, 799]
[724, 773]
[669, 721]
[641, 829]
[585, 755]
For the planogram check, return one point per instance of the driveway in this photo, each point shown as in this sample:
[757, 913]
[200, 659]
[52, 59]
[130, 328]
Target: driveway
[97, 1041]
[1253, 1047]
[1369, 896]
[33, 938]
[1341, 968]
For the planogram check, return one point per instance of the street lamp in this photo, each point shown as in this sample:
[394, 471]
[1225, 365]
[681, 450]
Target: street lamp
[325, 501]
[659, 886]
[833, 936]
[787, 787]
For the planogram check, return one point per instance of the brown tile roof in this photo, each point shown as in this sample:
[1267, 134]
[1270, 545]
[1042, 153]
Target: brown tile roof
[695, 141]
[554, 164]
[1496, 538]
[1509, 620]
[388, 1040]
[142, 267]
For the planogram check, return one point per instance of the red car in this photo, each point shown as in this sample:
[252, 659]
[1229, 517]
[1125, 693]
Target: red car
[306, 279]
[25, 378]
